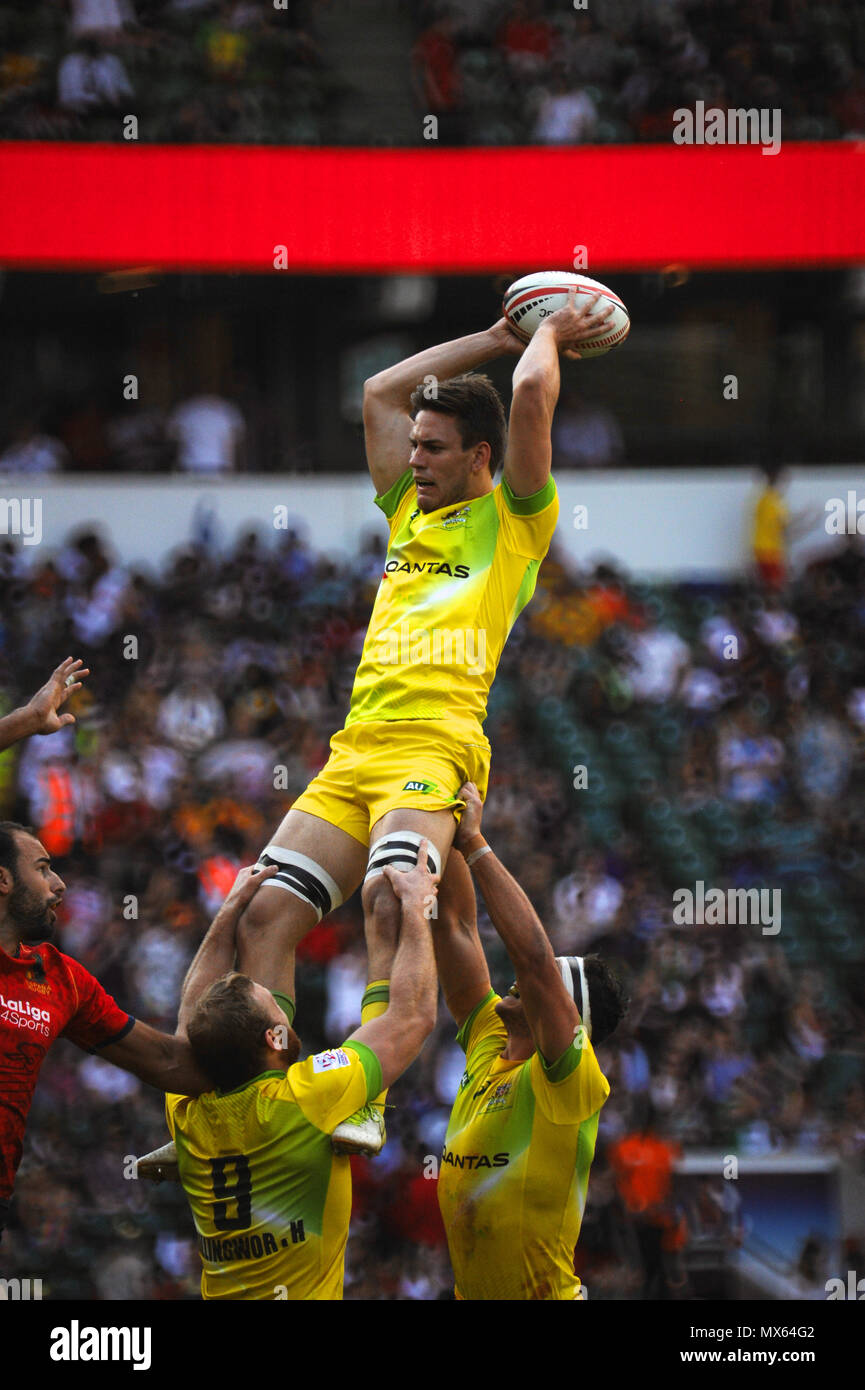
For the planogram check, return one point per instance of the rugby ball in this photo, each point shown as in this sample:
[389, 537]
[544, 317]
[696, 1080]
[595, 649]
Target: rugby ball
[533, 298]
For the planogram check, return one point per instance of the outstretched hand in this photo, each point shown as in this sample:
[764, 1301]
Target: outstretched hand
[43, 707]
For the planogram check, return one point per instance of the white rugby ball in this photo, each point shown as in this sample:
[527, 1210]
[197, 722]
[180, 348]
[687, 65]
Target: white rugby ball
[533, 298]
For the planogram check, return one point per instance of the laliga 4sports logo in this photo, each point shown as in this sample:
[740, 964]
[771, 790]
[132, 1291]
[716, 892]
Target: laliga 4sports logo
[23, 1007]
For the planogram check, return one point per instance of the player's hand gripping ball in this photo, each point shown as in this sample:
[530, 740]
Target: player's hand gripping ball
[531, 300]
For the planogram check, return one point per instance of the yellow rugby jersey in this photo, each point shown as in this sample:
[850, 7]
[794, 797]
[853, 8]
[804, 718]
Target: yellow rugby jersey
[454, 583]
[270, 1200]
[515, 1165]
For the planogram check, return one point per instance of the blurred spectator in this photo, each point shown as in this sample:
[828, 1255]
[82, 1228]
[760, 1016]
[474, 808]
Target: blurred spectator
[209, 433]
[656, 661]
[586, 435]
[750, 761]
[32, 452]
[527, 38]
[769, 528]
[566, 116]
[92, 79]
[435, 77]
[643, 1165]
[100, 17]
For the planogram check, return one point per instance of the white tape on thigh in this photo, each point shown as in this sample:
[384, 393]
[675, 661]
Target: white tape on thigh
[300, 875]
[400, 849]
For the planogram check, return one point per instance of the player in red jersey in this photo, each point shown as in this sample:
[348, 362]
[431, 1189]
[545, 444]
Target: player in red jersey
[45, 994]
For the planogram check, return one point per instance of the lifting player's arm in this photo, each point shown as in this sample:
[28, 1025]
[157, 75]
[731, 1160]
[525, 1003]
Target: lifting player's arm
[398, 1035]
[387, 395]
[39, 715]
[161, 1060]
[165, 1061]
[462, 965]
[215, 955]
[550, 1011]
[536, 382]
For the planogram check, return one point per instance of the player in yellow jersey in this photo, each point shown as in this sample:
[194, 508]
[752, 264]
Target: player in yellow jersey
[462, 562]
[270, 1199]
[521, 1136]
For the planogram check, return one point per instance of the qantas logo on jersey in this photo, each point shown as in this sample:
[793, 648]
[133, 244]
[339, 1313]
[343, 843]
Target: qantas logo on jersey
[474, 1161]
[428, 567]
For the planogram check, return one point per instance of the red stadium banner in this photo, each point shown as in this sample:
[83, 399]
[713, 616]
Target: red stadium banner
[443, 210]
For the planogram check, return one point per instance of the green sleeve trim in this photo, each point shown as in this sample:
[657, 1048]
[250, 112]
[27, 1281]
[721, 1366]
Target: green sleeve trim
[462, 1035]
[375, 994]
[286, 1003]
[371, 1066]
[529, 506]
[562, 1068]
[390, 500]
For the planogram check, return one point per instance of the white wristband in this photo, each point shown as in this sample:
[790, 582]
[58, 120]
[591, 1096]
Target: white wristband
[476, 854]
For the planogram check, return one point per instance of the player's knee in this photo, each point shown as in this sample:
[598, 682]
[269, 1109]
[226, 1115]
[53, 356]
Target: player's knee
[380, 903]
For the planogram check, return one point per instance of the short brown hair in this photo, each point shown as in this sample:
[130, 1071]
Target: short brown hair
[226, 1031]
[9, 845]
[477, 407]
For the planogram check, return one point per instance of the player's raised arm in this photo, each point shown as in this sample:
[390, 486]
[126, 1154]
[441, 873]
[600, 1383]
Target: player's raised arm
[40, 714]
[215, 955]
[462, 966]
[398, 1035]
[536, 385]
[387, 395]
[550, 1011]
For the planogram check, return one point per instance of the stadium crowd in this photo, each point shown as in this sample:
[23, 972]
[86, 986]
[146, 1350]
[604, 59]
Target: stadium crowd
[632, 756]
[614, 72]
[533, 72]
[199, 71]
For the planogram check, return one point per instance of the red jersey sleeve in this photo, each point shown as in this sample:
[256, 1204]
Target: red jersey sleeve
[97, 1020]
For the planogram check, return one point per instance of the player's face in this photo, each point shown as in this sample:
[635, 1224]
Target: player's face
[442, 468]
[510, 1010]
[36, 892]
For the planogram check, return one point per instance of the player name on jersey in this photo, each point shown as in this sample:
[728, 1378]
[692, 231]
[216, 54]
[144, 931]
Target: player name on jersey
[249, 1246]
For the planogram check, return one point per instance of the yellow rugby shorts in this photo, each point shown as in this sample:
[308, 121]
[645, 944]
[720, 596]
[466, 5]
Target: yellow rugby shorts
[389, 765]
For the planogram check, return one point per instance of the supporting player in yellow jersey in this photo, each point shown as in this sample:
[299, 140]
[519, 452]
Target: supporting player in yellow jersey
[270, 1199]
[521, 1136]
[462, 562]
